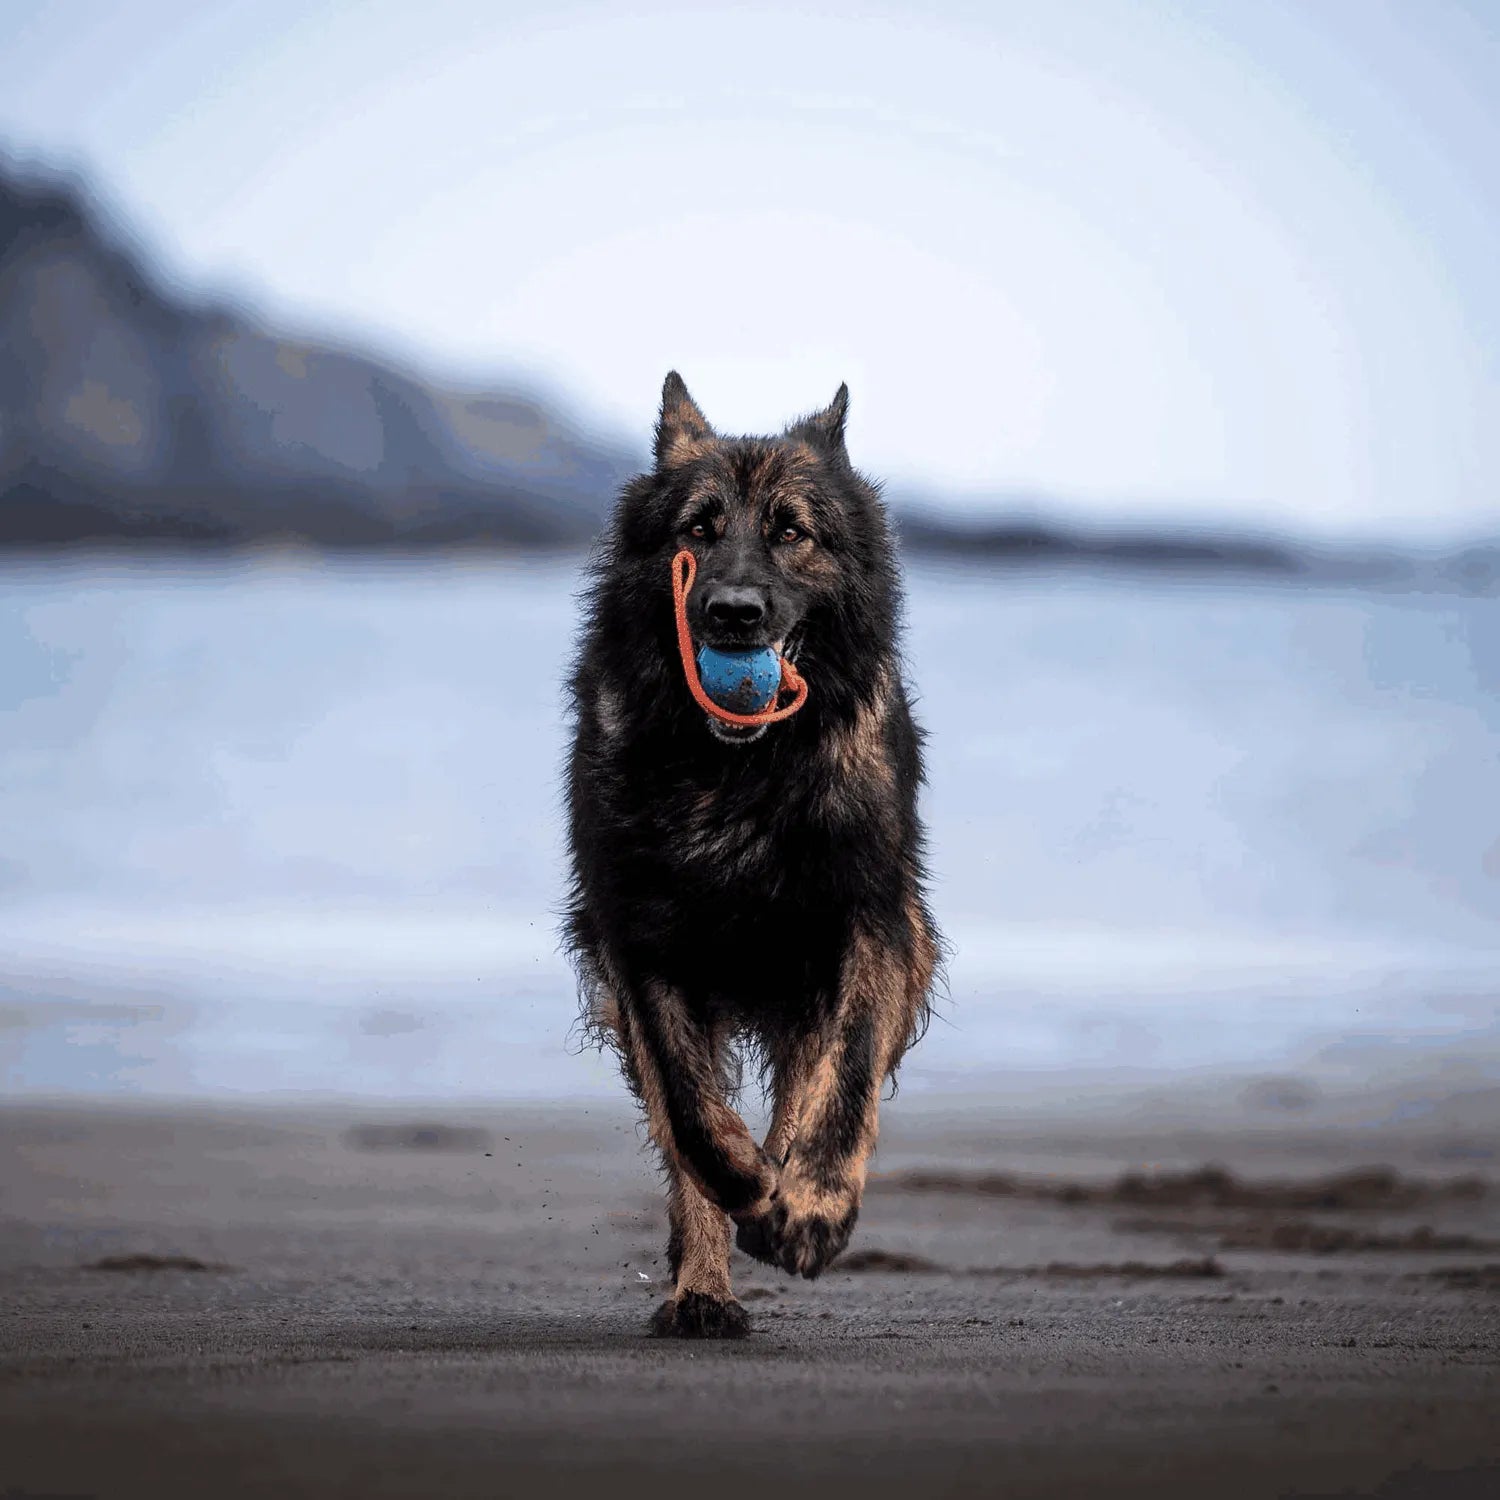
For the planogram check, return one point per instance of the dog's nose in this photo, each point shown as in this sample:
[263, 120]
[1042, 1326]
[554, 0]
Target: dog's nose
[736, 608]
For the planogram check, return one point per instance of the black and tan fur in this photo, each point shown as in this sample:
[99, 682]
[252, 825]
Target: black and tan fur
[758, 891]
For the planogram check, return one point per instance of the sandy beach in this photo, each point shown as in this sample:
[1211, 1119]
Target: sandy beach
[340, 1301]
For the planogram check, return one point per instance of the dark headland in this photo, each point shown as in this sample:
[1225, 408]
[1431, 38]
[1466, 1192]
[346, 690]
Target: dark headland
[135, 416]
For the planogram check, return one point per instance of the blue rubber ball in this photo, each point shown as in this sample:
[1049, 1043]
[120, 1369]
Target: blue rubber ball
[744, 682]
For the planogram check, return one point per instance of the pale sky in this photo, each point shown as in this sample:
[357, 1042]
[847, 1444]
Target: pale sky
[1145, 258]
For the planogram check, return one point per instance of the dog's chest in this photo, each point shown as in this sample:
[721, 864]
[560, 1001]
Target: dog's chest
[725, 838]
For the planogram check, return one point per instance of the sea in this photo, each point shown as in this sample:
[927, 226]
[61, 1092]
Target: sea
[280, 828]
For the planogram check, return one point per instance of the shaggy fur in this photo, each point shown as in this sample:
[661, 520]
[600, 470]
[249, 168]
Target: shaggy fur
[749, 891]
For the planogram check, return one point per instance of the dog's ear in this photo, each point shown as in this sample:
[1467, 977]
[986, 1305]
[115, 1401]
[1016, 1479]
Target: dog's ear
[681, 429]
[827, 426]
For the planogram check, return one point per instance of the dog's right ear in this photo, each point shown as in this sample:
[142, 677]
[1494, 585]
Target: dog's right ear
[681, 429]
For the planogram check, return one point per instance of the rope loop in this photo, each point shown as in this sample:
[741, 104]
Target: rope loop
[684, 571]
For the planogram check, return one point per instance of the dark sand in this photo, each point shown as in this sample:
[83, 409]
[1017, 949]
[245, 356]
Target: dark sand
[382, 1312]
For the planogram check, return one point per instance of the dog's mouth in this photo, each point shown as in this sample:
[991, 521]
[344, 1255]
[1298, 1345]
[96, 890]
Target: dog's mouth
[734, 734]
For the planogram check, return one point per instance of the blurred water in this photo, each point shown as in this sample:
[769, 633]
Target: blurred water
[282, 827]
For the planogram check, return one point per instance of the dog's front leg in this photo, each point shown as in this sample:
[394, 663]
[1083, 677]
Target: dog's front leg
[714, 1164]
[826, 1114]
[702, 1304]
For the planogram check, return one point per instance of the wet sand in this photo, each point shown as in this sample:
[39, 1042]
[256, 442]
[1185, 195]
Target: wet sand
[346, 1302]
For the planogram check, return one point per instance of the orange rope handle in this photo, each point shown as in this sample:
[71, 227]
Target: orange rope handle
[684, 571]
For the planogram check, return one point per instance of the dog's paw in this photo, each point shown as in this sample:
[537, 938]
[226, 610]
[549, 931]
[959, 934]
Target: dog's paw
[811, 1241]
[695, 1315]
[800, 1235]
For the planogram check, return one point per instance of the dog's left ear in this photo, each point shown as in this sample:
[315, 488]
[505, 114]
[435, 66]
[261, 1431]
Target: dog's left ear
[827, 426]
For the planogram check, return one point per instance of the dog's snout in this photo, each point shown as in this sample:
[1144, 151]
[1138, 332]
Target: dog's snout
[736, 608]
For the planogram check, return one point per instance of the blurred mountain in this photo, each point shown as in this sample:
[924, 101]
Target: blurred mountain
[129, 413]
[1015, 534]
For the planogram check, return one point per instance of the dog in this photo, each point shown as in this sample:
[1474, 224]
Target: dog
[749, 890]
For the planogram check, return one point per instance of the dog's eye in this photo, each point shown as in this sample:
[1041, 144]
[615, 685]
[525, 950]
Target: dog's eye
[789, 534]
[698, 529]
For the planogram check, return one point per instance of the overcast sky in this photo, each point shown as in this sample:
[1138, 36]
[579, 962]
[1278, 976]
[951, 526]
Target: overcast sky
[1185, 259]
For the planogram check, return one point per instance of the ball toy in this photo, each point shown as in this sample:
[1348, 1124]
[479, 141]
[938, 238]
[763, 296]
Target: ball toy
[744, 682]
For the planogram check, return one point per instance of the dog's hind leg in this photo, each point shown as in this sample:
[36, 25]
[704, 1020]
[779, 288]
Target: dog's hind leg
[827, 1105]
[792, 1065]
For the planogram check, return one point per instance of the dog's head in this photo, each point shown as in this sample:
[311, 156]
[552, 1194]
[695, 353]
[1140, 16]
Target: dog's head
[790, 541]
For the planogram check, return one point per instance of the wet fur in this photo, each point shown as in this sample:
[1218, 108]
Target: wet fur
[762, 897]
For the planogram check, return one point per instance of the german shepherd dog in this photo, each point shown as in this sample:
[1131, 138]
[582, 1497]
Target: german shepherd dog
[749, 889]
